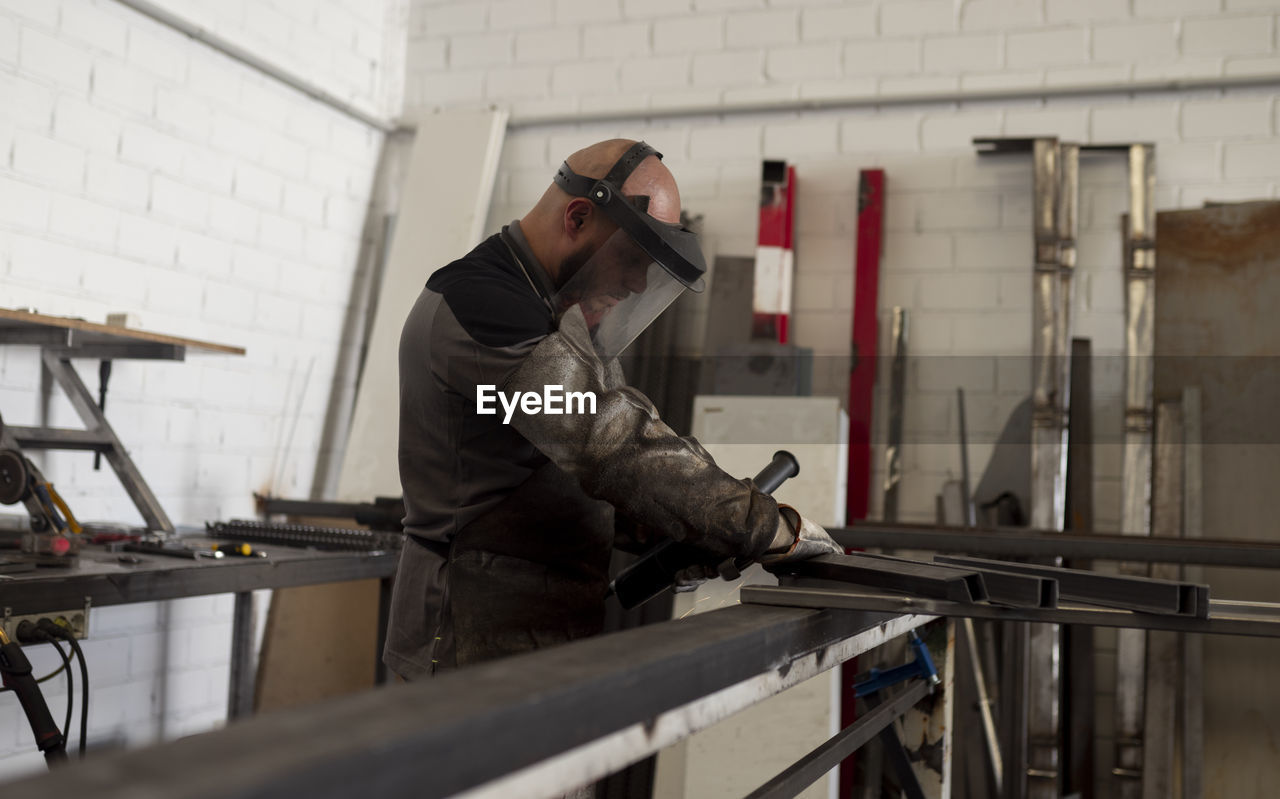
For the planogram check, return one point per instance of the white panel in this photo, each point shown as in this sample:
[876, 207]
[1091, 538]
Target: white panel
[446, 200]
[742, 752]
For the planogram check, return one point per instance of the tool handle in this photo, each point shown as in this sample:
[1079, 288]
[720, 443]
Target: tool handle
[16, 672]
[656, 570]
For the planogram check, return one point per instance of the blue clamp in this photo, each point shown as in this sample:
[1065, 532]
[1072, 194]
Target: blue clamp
[921, 666]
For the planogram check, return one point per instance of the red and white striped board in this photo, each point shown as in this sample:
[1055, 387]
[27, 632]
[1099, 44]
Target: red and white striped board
[775, 254]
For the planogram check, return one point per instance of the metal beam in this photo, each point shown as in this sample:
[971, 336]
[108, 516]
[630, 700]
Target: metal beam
[604, 701]
[1261, 619]
[808, 769]
[1021, 542]
[60, 438]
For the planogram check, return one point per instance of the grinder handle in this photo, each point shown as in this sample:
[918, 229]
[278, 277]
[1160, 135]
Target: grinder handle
[656, 570]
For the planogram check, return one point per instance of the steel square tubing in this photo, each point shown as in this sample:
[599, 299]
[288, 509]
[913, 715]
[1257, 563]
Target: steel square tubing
[908, 577]
[1143, 594]
[460, 730]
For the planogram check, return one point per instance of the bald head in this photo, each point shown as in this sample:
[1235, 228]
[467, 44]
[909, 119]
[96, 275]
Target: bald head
[651, 178]
[564, 230]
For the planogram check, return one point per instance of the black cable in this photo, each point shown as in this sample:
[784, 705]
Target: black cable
[84, 690]
[71, 686]
[62, 629]
[40, 633]
[43, 679]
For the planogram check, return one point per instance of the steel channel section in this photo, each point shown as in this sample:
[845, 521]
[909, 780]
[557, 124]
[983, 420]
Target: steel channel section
[601, 703]
[59, 366]
[919, 579]
[1142, 594]
[1000, 586]
[1020, 542]
[808, 769]
[1048, 472]
[897, 398]
[1139, 279]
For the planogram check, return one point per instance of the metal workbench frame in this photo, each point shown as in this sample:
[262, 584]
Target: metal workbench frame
[99, 580]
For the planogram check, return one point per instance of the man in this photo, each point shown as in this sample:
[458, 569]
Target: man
[514, 502]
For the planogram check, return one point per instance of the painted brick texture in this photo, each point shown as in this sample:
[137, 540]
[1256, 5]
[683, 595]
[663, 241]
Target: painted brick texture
[141, 171]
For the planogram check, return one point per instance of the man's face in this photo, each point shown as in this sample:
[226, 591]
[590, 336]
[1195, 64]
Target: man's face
[615, 271]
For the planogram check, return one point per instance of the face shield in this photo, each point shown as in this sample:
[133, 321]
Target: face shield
[638, 271]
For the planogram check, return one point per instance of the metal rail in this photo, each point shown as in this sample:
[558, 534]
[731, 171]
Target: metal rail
[1226, 617]
[531, 725]
[238, 53]
[1021, 542]
[812, 766]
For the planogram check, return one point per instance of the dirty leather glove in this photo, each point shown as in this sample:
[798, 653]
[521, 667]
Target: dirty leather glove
[808, 540]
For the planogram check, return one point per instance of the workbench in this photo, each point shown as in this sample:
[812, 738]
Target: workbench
[100, 579]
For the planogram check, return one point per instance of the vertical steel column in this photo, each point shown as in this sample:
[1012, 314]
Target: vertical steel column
[1160, 706]
[897, 392]
[241, 691]
[1192, 644]
[1139, 278]
[1048, 474]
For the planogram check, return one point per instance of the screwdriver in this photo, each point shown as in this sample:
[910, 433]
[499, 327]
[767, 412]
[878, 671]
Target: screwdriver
[239, 549]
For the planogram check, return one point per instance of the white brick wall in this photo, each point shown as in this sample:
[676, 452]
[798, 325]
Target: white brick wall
[141, 171]
[958, 242]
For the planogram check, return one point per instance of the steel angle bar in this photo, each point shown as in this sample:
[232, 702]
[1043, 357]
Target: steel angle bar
[907, 577]
[808, 769]
[1001, 587]
[1225, 618]
[1143, 594]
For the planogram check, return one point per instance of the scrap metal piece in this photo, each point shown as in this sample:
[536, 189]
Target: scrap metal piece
[897, 393]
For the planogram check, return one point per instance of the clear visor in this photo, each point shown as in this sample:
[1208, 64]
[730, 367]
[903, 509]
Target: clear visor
[620, 291]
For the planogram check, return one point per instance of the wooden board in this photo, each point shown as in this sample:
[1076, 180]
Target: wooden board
[97, 333]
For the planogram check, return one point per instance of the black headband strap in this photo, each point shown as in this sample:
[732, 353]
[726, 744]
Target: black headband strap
[580, 185]
[627, 164]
